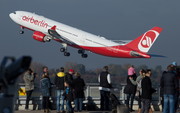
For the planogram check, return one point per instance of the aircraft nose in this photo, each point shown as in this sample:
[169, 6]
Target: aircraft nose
[11, 15]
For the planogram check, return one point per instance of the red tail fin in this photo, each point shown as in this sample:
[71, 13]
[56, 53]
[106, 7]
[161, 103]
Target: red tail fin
[145, 41]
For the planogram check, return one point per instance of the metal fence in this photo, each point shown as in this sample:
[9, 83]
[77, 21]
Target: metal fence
[91, 91]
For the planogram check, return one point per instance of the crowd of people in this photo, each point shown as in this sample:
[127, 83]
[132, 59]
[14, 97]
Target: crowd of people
[70, 87]
[141, 88]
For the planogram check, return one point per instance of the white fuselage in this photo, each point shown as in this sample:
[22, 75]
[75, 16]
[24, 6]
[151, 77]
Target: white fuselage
[83, 40]
[79, 37]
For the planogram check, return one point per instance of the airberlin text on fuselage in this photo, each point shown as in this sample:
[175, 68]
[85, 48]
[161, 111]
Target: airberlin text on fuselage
[36, 22]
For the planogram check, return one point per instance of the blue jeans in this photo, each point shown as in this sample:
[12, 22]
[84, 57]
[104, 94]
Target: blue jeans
[169, 99]
[69, 106]
[59, 95]
[132, 100]
[104, 98]
[80, 104]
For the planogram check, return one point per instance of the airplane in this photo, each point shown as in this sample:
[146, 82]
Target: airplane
[46, 29]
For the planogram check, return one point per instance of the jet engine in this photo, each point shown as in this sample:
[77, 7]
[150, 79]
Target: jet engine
[39, 36]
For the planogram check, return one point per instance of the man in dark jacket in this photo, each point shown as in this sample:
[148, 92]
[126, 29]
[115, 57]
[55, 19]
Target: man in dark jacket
[177, 73]
[29, 86]
[59, 82]
[162, 88]
[69, 76]
[147, 92]
[170, 84]
[78, 86]
[105, 85]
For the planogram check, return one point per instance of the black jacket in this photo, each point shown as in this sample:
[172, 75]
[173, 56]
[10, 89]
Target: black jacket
[147, 89]
[1, 89]
[69, 77]
[70, 96]
[103, 80]
[59, 81]
[169, 83]
[78, 86]
[130, 88]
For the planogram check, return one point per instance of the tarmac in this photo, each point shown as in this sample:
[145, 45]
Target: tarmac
[54, 111]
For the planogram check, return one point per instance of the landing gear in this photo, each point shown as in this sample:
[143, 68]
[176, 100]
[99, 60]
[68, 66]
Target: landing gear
[22, 30]
[82, 53]
[64, 49]
[66, 54]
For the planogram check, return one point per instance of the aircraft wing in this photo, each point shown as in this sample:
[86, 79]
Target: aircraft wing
[122, 41]
[54, 33]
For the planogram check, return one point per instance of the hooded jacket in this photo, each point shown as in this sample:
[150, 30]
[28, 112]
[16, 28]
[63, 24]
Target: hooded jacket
[45, 87]
[59, 81]
[29, 81]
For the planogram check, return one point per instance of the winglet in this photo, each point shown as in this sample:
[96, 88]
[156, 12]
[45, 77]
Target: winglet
[54, 27]
[145, 41]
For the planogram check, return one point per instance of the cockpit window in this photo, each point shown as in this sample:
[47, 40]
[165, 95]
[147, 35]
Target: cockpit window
[14, 12]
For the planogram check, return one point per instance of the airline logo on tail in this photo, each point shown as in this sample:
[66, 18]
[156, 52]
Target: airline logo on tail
[147, 40]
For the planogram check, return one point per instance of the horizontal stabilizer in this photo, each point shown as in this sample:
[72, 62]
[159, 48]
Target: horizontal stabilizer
[152, 55]
[122, 42]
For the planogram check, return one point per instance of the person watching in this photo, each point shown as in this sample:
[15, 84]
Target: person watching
[59, 82]
[29, 86]
[105, 85]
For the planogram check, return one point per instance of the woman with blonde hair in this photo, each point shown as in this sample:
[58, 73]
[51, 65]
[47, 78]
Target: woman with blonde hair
[142, 74]
[45, 88]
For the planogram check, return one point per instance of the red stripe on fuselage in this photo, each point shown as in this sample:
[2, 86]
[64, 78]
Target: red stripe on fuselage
[114, 51]
[111, 51]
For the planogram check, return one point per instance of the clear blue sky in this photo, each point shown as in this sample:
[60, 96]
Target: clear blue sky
[112, 19]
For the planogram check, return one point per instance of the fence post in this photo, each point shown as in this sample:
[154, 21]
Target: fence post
[159, 97]
[123, 95]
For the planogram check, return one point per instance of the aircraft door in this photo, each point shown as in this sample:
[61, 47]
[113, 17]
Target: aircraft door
[20, 16]
[115, 49]
[83, 39]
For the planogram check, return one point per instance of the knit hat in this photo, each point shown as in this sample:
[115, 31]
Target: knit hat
[71, 70]
[77, 74]
[131, 71]
[174, 63]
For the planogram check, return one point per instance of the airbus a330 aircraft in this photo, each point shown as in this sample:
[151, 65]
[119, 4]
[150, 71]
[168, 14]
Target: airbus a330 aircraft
[46, 29]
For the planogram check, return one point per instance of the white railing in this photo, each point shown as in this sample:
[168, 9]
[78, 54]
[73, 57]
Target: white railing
[91, 94]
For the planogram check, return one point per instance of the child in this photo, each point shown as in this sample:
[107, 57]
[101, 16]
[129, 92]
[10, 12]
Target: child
[69, 96]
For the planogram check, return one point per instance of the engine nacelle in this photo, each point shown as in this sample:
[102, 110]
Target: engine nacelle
[39, 36]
